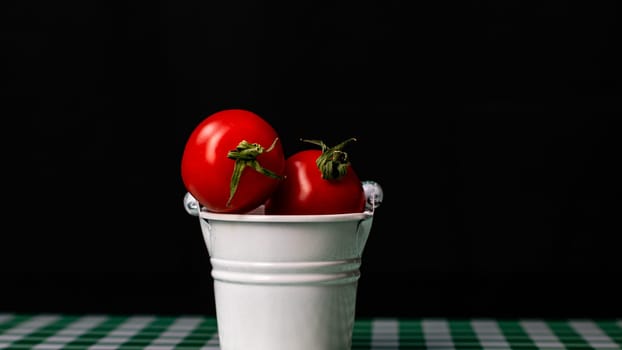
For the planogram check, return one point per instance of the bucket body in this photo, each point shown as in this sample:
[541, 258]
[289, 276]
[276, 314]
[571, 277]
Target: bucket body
[285, 282]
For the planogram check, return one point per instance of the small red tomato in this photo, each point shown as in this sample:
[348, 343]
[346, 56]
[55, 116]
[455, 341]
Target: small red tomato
[232, 161]
[318, 182]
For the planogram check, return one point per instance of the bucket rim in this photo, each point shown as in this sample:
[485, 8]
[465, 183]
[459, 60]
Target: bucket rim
[285, 218]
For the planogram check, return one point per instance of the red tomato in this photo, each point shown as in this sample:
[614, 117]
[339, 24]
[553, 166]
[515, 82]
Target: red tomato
[318, 182]
[232, 161]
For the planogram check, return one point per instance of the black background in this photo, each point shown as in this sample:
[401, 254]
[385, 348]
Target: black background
[493, 128]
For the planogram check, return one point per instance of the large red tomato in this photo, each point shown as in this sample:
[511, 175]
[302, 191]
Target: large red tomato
[232, 161]
[318, 182]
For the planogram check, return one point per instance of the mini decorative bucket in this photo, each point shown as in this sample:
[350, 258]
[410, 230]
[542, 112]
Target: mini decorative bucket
[285, 282]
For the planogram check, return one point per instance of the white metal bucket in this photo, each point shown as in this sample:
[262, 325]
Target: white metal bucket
[285, 282]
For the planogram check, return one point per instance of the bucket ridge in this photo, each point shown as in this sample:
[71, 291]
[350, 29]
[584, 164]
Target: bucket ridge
[289, 273]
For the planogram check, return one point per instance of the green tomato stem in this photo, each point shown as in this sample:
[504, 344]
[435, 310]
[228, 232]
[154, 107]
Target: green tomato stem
[245, 155]
[333, 162]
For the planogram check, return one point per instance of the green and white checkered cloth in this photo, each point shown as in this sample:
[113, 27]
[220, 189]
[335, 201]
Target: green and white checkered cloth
[156, 332]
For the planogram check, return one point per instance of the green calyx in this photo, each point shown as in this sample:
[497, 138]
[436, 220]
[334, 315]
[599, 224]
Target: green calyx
[245, 155]
[333, 162]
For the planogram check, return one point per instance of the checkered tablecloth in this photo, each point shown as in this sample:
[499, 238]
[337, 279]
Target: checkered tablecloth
[108, 332]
